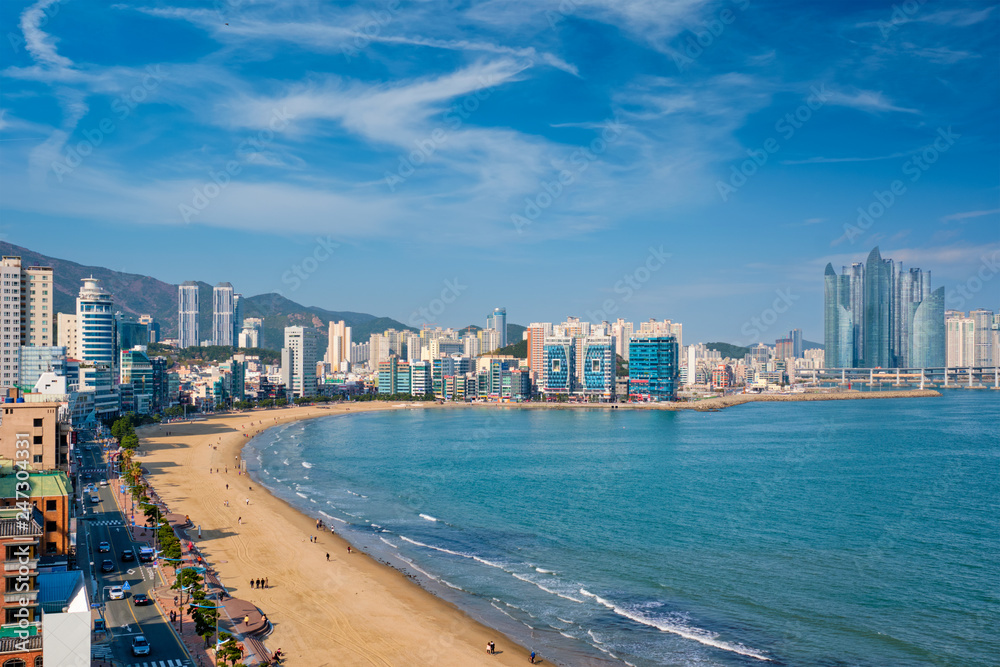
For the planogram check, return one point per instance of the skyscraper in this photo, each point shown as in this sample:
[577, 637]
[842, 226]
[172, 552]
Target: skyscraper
[498, 320]
[298, 362]
[95, 326]
[26, 314]
[223, 314]
[338, 350]
[897, 309]
[237, 318]
[653, 368]
[187, 314]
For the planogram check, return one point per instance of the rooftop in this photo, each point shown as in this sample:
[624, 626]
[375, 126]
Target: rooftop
[42, 483]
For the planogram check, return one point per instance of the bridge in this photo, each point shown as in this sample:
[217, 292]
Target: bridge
[967, 377]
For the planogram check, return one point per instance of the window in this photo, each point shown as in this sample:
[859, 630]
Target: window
[37, 458]
[38, 661]
[38, 439]
[50, 547]
[556, 365]
[50, 506]
[38, 423]
[14, 662]
[595, 365]
[51, 527]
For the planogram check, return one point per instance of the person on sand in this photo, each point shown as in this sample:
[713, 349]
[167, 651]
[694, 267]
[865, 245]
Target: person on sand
[488, 646]
[251, 583]
[348, 549]
[532, 658]
[328, 556]
[266, 585]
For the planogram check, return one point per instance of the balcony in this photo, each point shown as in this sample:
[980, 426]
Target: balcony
[30, 596]
[15, 565]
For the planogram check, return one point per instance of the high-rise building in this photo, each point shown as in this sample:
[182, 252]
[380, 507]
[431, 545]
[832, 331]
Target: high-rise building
[653, 368]
[237, 318]
[152, 327]
[250, 333]
[129, 332]
[983, 337]
[223, 314]
[95, 326]
[394, 377]
[497, 320]
[961, 340]
[298, 362]
[871, 316]
[26, 313]
[536, 350]
[338, 349]
[187, 315]
[560, 365]
[796, 336]
[35, 360]
[136, 369]
[490, 339]
[622, 331]
[599, 366]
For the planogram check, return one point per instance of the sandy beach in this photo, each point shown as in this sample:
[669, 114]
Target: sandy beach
[351, 610]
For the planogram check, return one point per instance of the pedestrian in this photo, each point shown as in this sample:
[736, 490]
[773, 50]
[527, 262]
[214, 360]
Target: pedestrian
[246, 620]
[227, 487]
[488, 647]
[493, 647]
[532, 657]
[248, 501]
[265, 583]
[348, 549]
[328, 556]
[239, 521]
[251, 583]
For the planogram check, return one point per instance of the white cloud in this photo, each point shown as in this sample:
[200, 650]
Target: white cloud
[865, 100]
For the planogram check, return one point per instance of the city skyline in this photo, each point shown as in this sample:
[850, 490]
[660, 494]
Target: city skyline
[720, 167]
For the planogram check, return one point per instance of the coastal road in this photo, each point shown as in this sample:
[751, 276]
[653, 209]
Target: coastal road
[103, 522]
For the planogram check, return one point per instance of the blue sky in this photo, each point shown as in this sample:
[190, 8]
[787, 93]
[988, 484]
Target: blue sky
[699, 161]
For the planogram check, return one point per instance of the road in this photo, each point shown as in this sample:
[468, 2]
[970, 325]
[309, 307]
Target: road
[104, 523]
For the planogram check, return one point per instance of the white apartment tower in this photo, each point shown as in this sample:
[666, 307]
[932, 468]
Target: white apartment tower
[338, 350]
[26, 315]
[298, 362]
[187, 315]
[95, 326]
[223, 314]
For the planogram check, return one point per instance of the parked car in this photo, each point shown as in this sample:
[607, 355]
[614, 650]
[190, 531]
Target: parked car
[140, 646]
[147, 554]
[104, 482]
[95, 499]
[107, 566]
[127, 555]
[103, 548]
[141, 599]
[116, 592]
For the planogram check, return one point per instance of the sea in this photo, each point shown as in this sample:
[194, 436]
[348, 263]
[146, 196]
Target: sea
[841, 533]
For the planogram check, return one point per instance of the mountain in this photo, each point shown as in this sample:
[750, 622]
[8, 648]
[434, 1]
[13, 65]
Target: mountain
[136, 295]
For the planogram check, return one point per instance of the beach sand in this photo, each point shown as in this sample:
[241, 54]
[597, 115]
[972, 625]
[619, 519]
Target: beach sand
[351, 610]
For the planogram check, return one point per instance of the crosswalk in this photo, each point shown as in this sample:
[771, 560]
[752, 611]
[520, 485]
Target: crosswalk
[161, 663]
[100, 651]
[106, 522]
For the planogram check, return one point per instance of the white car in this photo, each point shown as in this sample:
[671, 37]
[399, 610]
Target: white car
[116, 593]
[140, 646]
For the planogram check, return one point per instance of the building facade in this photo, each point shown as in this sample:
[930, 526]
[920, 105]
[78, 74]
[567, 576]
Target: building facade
[653, 368]
[497, 320]
[223, 314]
[187, 315]
[298, 362]
[26, 313]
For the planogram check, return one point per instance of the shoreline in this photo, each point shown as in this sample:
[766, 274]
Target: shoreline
[397, 613]
[351, 609]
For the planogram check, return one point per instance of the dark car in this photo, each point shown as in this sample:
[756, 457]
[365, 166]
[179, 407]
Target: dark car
[103, 547]
[107, 566]
[128, 555]
[141, 599]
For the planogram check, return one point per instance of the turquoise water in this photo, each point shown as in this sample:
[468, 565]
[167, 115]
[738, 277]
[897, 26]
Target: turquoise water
[835, 533]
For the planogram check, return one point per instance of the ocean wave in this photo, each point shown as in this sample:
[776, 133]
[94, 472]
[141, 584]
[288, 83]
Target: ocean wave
[388, 542]
[415, 567]
[428, 546]
[674, 627]
[428, 517]
[301, 495]
[284, 462]
[542, 570]
[547, 590]
[306, 464]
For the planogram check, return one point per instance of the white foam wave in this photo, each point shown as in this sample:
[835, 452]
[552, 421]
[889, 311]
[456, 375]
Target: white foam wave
[428, 546]
[388, 542]
[565, 621]
[542, 570]
[306, 464]
[428, 517]
[301, 495]
[664, 625]
[547, 590]
[423, 572]
[284, 462]
[325, 514]
[567, 636]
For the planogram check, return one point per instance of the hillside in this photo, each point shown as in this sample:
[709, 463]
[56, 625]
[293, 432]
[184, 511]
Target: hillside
[136, 294]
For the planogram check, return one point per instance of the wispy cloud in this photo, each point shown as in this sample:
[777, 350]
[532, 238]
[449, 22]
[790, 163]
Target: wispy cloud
[957, 217]
[870, 101]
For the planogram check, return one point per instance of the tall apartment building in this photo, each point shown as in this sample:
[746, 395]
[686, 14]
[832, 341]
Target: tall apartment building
[878, 316]
[537, 331]
[983, 337]
[187, 315]
[298, 362]
[250, 333]
[653, 368]
[26, 314]
[338, 349]
[560, 365]
[961, 340]
[497, 320]
[95, 326]
[223, 314]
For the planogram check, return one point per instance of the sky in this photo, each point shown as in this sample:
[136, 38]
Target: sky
[429, 161]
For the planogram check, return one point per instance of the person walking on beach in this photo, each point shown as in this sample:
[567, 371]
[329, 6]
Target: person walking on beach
[265, 583]
[251, 583]
[248, 501]
[328, 557]
[532, 658]
[348, 549]
[239, 521]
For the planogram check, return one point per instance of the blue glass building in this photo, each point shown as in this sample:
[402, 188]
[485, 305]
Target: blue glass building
[560, 365]
[652, 368]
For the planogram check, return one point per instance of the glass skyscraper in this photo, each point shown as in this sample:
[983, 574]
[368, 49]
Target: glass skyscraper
[187, 315]
[223, 314]
[652, 368]
[876, 315]
[498, 320]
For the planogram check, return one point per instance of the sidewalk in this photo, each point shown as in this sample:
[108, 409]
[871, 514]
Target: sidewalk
[234, 610]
